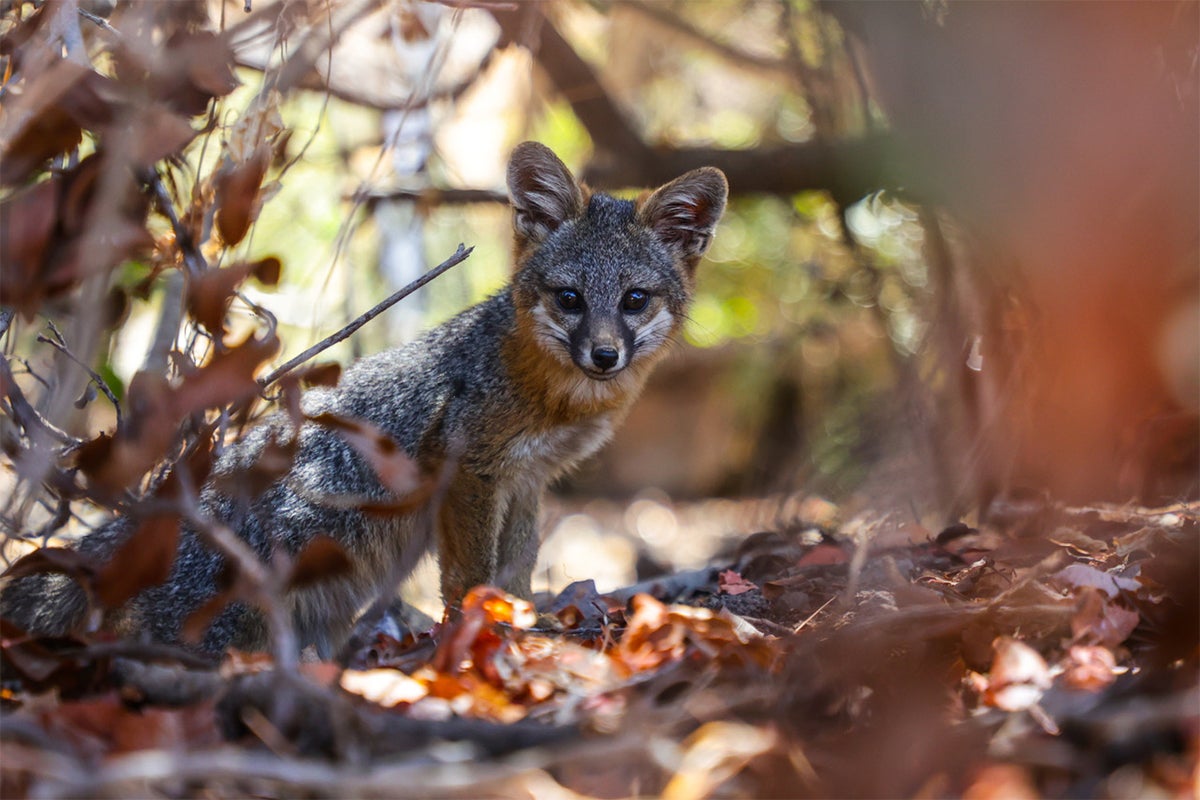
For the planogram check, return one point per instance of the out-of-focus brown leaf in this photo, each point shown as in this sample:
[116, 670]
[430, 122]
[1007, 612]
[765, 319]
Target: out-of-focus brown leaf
[185, 73]
[1018, 676]
[227, 378]
[27, 220]
[113, 463]
[267, 271]
[143, 560]
[48, 116]
[156, 408]
[40, 230]
[209, 294]
[1090, 668]
[237, 188]
[397, 472]
[821, 554]
[196, 624]
[273, 462]
[196, 466]
[325, 374]
[1098, 620]
[104, 726]
[155, 133]
[321, 559]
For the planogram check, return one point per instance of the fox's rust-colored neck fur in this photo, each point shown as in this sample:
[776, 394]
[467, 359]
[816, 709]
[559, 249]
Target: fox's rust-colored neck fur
[559, 393]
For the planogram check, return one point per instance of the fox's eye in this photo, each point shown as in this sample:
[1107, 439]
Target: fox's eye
[570, 300]
[634, 300]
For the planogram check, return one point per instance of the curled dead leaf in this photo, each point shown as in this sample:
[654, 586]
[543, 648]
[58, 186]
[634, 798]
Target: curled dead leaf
[237, 194]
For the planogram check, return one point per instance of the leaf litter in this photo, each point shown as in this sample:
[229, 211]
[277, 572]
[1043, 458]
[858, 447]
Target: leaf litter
[1019, 663]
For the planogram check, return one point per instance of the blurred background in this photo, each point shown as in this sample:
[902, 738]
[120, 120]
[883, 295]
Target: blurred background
[960, 261]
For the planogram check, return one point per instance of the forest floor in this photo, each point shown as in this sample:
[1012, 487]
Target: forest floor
[1052, 652]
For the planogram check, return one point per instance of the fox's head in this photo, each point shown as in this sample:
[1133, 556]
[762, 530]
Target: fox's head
[604, 283]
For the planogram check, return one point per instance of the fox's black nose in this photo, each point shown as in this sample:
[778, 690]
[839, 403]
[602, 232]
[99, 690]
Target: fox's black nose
[605, 357]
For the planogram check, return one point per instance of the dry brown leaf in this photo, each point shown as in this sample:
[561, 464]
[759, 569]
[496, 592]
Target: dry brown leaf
[237, 194]
[1098, 620]
[143, 560]
[48, 116]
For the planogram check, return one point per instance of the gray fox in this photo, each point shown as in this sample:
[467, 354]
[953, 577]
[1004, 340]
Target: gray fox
[511, 393]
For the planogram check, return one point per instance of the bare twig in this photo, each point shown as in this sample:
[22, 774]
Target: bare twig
[459, 256]
[59, 344]
[437, 197]
[99, 22]
[737, 57]
[24, 413]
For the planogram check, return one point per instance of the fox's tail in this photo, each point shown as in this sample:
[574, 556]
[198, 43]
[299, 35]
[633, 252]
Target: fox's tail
[52, 603]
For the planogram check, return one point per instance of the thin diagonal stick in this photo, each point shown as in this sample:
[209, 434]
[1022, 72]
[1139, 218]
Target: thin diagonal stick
[459, 256]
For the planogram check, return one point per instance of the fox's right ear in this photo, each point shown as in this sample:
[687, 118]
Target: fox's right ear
[544, 192]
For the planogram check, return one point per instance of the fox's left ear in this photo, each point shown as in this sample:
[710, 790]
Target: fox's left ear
[684, 212]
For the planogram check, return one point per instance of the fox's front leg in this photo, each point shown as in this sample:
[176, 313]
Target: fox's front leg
[468, 530]
[518, 546]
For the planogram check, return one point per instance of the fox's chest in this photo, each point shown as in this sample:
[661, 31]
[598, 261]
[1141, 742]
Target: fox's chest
[544, 454]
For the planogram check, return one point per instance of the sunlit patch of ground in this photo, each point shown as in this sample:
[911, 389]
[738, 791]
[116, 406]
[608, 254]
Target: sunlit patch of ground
[602, 539]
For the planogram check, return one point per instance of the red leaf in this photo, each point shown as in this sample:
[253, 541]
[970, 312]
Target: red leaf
[731, 582]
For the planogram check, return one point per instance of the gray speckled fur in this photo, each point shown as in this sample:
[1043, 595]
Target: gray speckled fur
[499, 392]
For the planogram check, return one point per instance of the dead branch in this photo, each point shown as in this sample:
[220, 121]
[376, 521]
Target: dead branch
[736, 57]
[437, 197]
[668, 587]
[459, 256]
[575, 80]
[848, 169]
